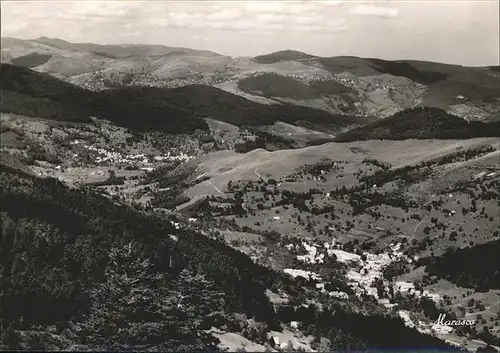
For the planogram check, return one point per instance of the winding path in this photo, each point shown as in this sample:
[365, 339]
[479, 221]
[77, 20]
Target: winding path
[215, 187]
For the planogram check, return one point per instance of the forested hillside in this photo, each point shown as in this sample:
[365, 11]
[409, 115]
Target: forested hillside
[77, 260]
[30, 93]
[31, 60]
[80, 271]
[474, 267]
[421, 123]
[177, 110]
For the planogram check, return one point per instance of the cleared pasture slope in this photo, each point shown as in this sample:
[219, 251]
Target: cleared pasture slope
[223, 166]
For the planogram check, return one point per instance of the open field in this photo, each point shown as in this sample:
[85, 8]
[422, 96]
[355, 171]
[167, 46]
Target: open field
[231, 342]
[225, 165]
[297, 133]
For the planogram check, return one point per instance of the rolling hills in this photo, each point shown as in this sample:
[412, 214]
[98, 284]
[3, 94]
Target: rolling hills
[182, 109]
[119, 50]
[284, 55]
[160, 198]
[374, 87]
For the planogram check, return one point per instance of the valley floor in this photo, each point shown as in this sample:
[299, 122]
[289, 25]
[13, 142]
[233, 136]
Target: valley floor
[359, 222]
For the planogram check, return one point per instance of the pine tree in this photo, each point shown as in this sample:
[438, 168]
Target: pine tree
[203, 302]
[134, 307]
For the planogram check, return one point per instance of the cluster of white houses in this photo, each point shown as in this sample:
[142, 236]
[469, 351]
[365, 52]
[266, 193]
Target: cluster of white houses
[364, 270]
[141, 160]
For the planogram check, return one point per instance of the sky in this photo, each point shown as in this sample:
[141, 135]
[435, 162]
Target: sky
[460, 32]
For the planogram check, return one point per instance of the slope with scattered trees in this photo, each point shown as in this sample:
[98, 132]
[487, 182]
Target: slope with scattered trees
[330, 87]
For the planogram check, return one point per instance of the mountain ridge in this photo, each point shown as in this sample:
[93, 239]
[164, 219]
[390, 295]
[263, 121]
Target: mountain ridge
[118, 49]
[378, 87]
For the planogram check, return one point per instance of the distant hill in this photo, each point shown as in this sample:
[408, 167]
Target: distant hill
[424, 72]
[23, 80]
[405, 69]
[349, 85]
[328, 87]
[16, 47]
[143, 109]
[35, 94]
[378, 88]
[118, 51]
[284, 55]
[421, 123]
[45, 108]
[181, 109]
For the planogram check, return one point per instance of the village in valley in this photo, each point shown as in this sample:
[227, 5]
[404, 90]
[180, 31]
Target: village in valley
[372, 251]
[217, 177]
[351, 230]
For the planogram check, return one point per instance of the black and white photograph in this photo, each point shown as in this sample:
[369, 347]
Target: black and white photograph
[250, 176]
